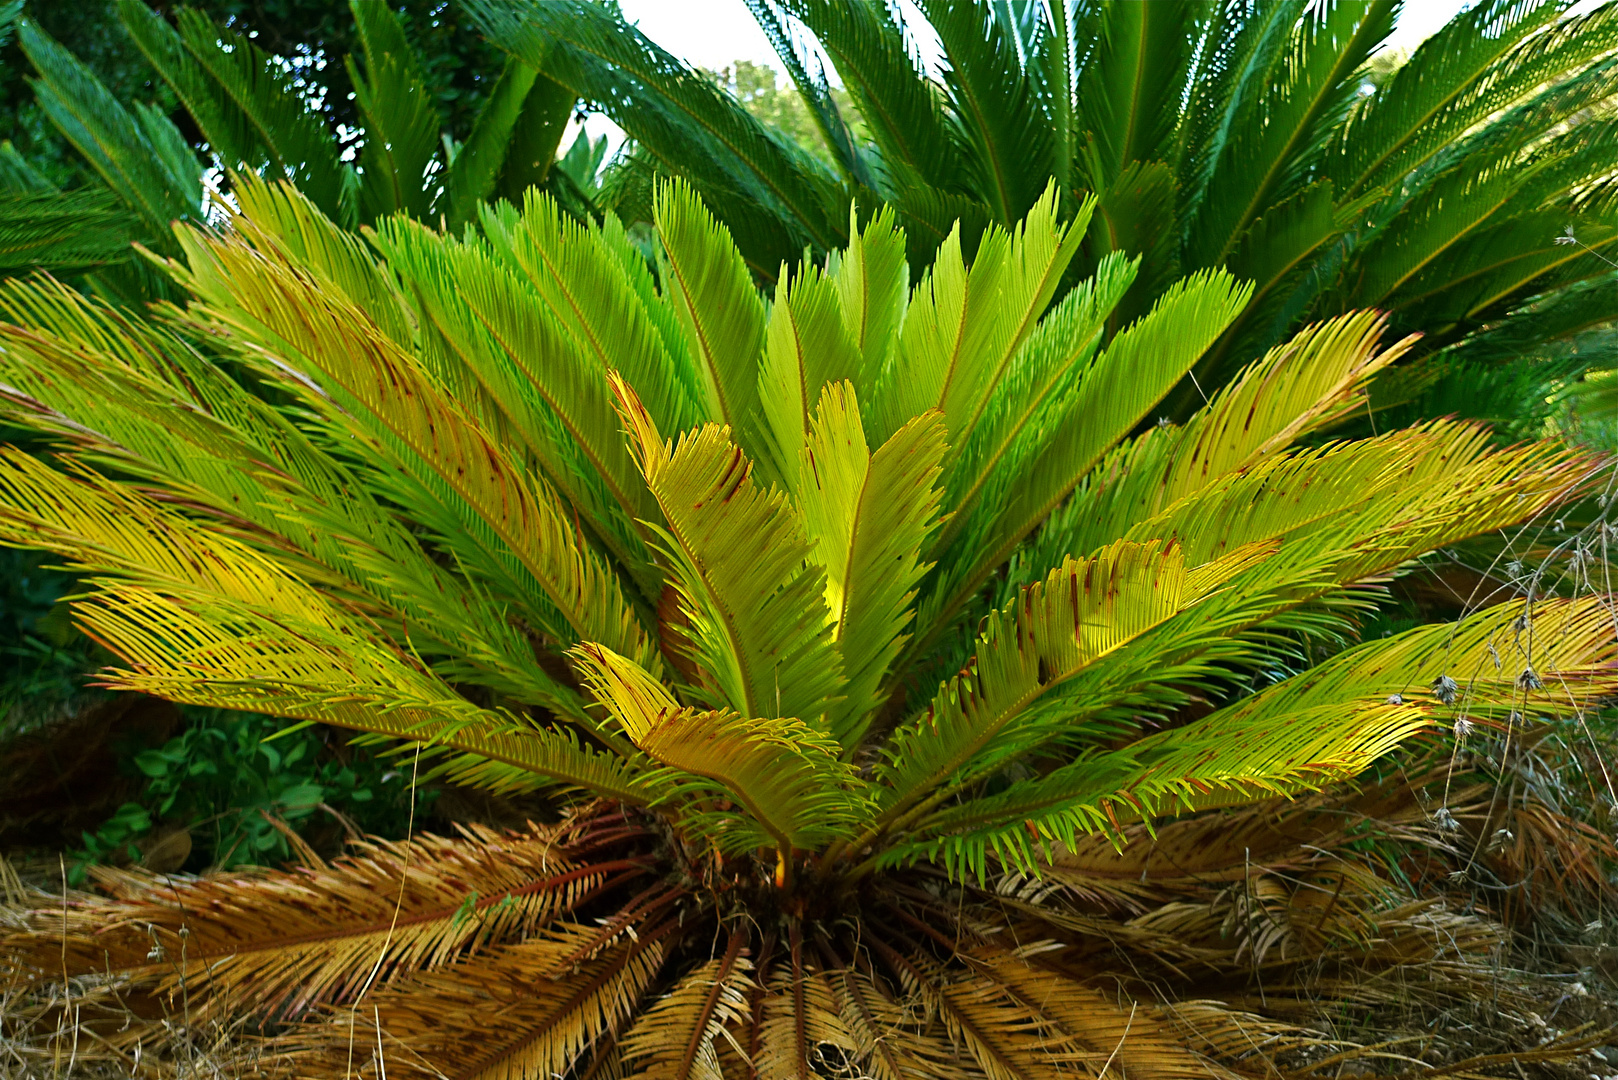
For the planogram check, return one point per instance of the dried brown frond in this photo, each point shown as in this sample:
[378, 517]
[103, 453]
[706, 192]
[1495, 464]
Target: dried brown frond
[277, 943]
[511, 1011]
[676, 1037]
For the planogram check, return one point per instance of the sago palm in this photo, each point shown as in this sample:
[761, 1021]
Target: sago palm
[1251, 136]
[830, 621]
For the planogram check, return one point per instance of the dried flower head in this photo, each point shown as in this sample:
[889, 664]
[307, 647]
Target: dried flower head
[1529, 680]
[1446, 820]
[1463, 727]
[1396, 699]
[1446, 688]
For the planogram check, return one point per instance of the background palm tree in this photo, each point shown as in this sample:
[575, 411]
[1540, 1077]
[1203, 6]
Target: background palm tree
[825, 619]
[1260, 137]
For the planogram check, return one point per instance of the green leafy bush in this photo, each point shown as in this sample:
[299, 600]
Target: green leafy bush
[238, 788]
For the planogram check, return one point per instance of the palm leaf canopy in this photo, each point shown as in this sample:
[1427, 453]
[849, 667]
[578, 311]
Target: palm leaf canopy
[253, 115]
[796, 595]
[1266, 138]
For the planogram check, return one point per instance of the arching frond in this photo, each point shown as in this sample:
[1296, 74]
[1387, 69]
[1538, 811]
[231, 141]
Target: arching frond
[521, 540]
[1081, 612]
[554, 1008]
[242, 101]
[754, 609]
[1070, 435]
[140, 156]
[401, 119]
[676, 1038]
[719, 310]
[869, 516]
[292, 941]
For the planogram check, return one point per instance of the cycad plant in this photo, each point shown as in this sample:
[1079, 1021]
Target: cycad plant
[1256, 137]
[829, 620]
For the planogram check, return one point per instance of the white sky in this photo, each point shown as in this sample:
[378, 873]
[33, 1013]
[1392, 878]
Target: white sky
[713, 33]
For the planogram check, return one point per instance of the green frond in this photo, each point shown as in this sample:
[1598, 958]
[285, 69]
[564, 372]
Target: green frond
[777, 198]
[995, 104]
[1075, 429]
[495, 346]
[1516, 257]
[1341, 515]
[1316, 379]
[1050, 363]
[1296, 735]
[1243, 52]
[1566, 644]
[204, 619]
[224, 452]
[1559, 315]
[279, 215]
[505, 519]
[902, 109]
[963, 326]
[401, 119]
[1126, 93]
[1299, 751]
[1037, 254]
[243, 102]
[1346, 510]
[870, 517]
[1281, 138]
[1135, 216]
[1082, 611]
[141, 156]
[753, 606]
[784, 772]
[1280, 254]
[872, 280]
[476, 168]
[312, 664]
[853, 159]
[1455, 207]
[62, 232]
[1476, 64]
[598, 290]
[807, 348]
[722, 315]
[86, 517]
